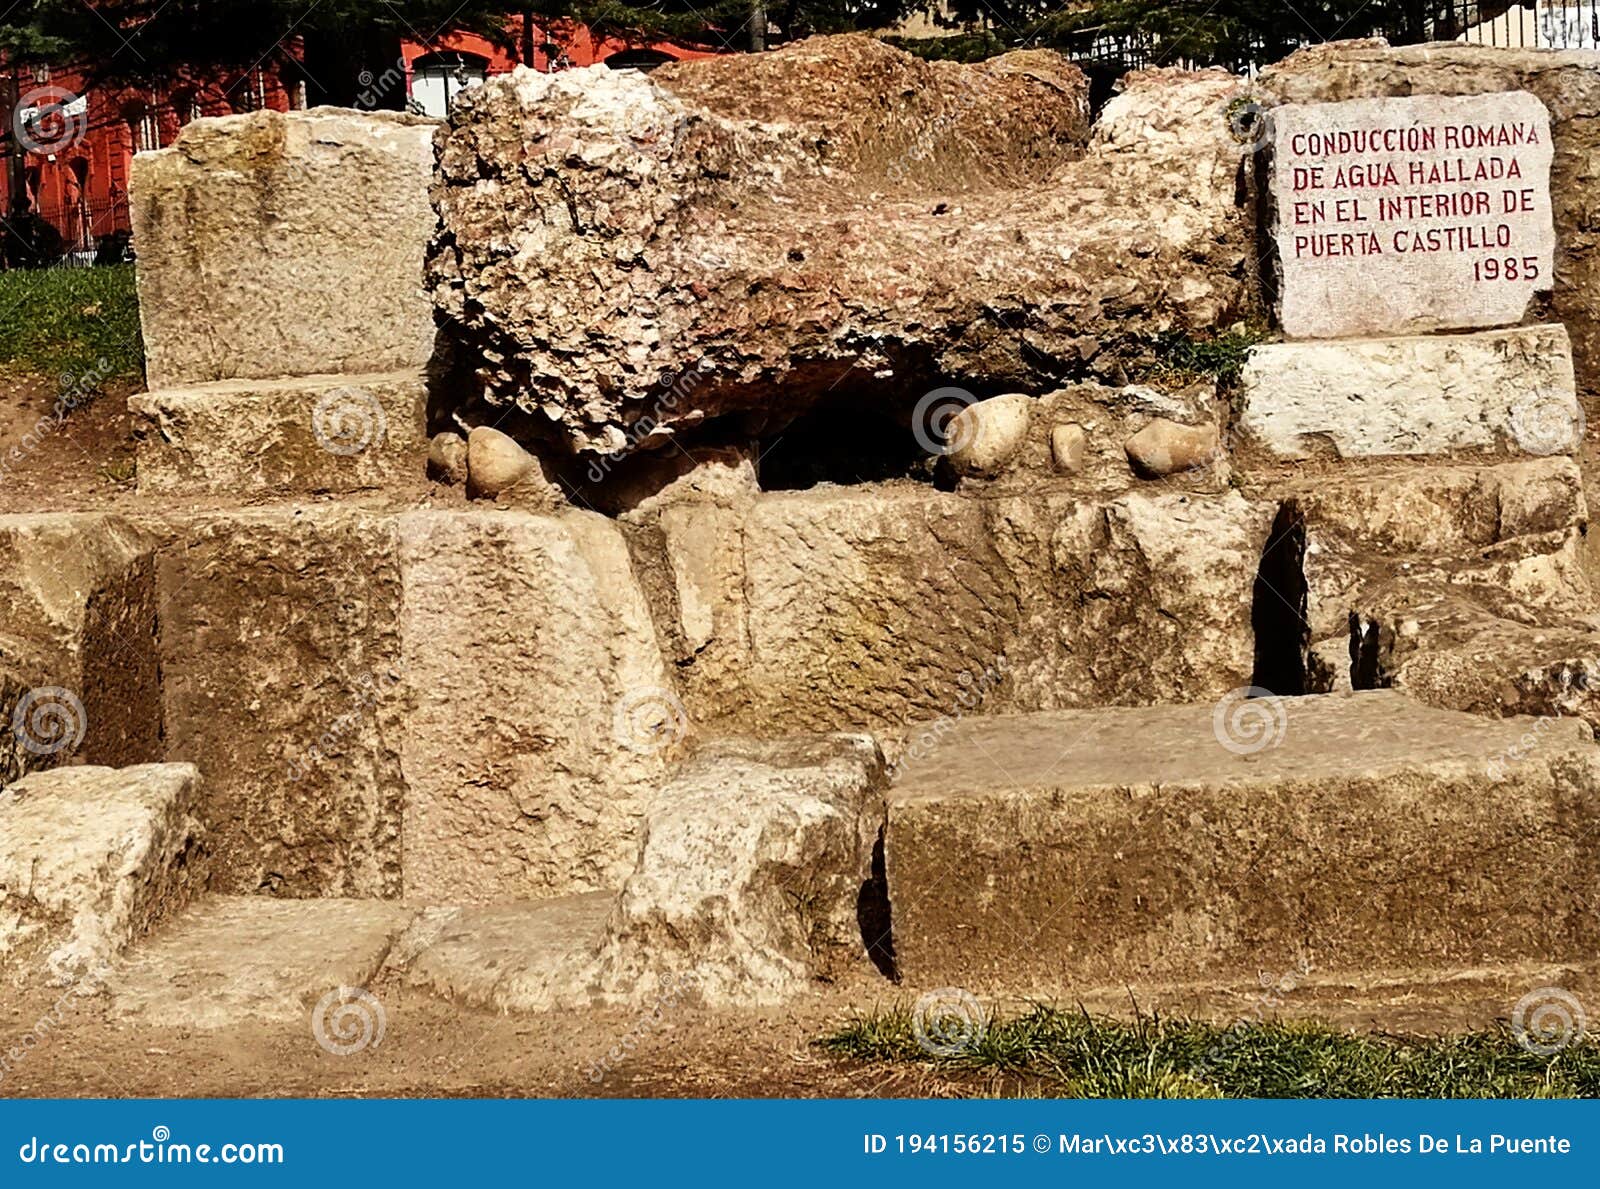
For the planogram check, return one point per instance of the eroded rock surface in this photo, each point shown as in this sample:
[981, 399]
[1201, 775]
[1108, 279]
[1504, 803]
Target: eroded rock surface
[90, 859]
[1185, 842]
[833, 207]
[755, 863]
[284, 244]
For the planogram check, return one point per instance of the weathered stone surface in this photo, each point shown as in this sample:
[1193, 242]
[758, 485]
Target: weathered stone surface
[1453, 653]
[723, 475]
[1166, 448]
[983, 436]
[865, 608]
[248, 439]
[1394, 535]
[1507, 391]
[1395, 509]
[542, 713]
[282, 683]
[1434, 226]
[90, 859]
[1194, 842]
[835, 206]
[1565, 81]
[1156, 602]
[755, 877]
[487, 955]
[284, 244]
[230, 959]
[447, 458]
[855, 608]
[78, 638]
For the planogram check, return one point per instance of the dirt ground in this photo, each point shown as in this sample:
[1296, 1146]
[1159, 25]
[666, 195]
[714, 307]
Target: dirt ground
[432, 1048]
[58, 463]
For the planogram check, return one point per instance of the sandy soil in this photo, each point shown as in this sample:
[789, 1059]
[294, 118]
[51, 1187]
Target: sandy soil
[432, 1048]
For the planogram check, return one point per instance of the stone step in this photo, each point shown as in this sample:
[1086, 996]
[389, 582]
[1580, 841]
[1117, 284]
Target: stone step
[1348, 831]
[499, 955]
[250, 440]
[231, 958]
[90, 859]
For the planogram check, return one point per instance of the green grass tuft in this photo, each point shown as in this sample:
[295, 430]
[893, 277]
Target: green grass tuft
[1075, 1055]
[1183, 359]
[78, 323]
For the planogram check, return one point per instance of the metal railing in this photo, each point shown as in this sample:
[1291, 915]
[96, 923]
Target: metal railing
[74, 235]
[1535, 24]
[1531, 24]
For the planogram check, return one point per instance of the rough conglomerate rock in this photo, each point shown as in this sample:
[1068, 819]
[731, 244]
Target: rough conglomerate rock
[835, 208]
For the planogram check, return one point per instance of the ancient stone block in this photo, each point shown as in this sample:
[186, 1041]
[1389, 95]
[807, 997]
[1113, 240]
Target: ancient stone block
[1505, 391]
[282, 683]
[869, 608]
[1154, 598]
[1198, 842]
[834, 207]
[90, 859]
[484, 955]
[78, 638]
[232, 959]
[248, 439]
[284, 244]
[542, 713]
[1413, 213]
[754, 877]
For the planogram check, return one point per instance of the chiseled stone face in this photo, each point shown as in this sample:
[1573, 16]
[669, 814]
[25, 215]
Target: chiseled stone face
[279, 244]
[1418, 213]
[1509, 391]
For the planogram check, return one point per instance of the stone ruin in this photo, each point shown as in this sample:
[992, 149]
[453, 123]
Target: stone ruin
[752, 526]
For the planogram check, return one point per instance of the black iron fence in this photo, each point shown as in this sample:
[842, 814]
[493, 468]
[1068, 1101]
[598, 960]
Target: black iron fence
[1531, 24]
[74, 235]
[1534, 24]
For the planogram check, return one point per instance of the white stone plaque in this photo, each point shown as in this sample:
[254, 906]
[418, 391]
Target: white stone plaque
[1420, 213]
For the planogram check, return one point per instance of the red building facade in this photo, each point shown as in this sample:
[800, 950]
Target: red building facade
[66, 181]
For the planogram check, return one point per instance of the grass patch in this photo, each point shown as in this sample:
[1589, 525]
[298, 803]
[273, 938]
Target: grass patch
[1183, 359]
[1075, 1055]
[81, 323]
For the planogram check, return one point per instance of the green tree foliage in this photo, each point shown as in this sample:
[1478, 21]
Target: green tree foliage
[156, 40]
